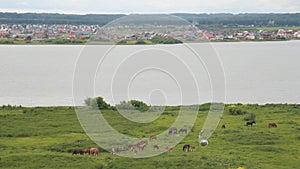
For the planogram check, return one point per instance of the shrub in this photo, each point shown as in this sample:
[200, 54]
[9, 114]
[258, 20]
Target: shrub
[250, 117]
[234, 111]
[99, 103]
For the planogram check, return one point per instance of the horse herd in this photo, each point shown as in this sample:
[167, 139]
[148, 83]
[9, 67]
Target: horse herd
[140, 146]
[250, 123]
[90, 151]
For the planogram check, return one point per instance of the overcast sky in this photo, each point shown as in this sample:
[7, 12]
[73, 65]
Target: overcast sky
[151, 6]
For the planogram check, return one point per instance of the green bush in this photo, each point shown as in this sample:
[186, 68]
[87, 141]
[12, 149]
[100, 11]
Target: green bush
[98, 103]
[164, 40]
[234, 111]
[250, 117]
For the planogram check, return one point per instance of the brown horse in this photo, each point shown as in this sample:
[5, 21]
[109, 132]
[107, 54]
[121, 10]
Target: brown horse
[169, 149]
[153, 137]
[272, 124]
[94, 151]
[192, 148]
[155, 147]
[86, 151]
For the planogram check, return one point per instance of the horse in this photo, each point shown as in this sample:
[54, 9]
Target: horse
[204, 142]
[186, 147]
[153, 137]
[173, 130]
[192, 148]
[94, 151]
[183, 131]
[133, 149]
[223, 126]
[250, 123]
[155, 147]
[77, 152]
[200, 133]
[169, 149]
[86, 151]
[272, 124]
[142, 146]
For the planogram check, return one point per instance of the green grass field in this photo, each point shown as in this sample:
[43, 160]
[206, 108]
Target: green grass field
[44, 137]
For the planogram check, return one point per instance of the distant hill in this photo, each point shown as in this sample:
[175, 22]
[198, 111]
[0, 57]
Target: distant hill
[243, 19]
[203, 20]
[46, 18]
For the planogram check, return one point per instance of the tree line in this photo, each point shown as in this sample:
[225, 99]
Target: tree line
[202, 20]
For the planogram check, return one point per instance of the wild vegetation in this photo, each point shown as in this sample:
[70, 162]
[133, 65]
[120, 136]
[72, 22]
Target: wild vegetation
[154, 40]
[44, 137]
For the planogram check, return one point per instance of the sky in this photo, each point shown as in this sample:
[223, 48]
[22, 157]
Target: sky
[150, 6]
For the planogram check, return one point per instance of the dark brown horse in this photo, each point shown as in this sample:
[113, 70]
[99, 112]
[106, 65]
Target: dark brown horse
[183, 131]
[155, 147]
[272, 124]
[250, 123]
[77, 152]
[223, 126]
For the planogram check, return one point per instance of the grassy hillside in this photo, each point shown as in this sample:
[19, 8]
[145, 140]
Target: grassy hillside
[44, 138]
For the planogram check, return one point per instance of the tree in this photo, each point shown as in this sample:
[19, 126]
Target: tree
[99, 103]
[139, 105]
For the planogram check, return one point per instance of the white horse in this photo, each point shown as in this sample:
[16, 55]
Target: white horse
[203, 142]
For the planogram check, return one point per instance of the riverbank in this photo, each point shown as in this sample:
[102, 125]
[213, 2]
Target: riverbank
[47, 135]
[87, 42]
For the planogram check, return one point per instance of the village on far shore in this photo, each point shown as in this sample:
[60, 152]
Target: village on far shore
[66, 33]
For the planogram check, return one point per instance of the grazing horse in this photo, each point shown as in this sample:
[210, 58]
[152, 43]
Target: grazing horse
[86, 151]
[155, 147]
[183, 131]
[192, 148]
[272, 124]
[169, 149]
[200, 133]
[186, 147]
[250, 123]
[94, 151]
[133, 149]
[142, 146]
[204, 142]
[223, 126]
[78, 152]
[153, 137]
[173, 130]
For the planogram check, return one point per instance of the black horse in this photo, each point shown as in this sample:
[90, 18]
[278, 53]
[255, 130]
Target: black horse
[250, 123]
[186, 147]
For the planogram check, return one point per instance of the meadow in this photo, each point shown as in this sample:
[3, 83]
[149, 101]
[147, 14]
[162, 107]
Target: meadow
[44, 137]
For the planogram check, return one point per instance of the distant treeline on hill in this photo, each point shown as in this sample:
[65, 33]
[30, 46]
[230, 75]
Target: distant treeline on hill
[201, 19]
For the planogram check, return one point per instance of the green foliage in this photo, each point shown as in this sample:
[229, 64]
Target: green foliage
[140, 42]
[98, 103]
[164, 40]
[250, 117]
[133, 105]
[235, 111]
[125, 105]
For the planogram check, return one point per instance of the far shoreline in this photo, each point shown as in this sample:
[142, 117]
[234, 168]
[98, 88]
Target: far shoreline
[113, 43]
